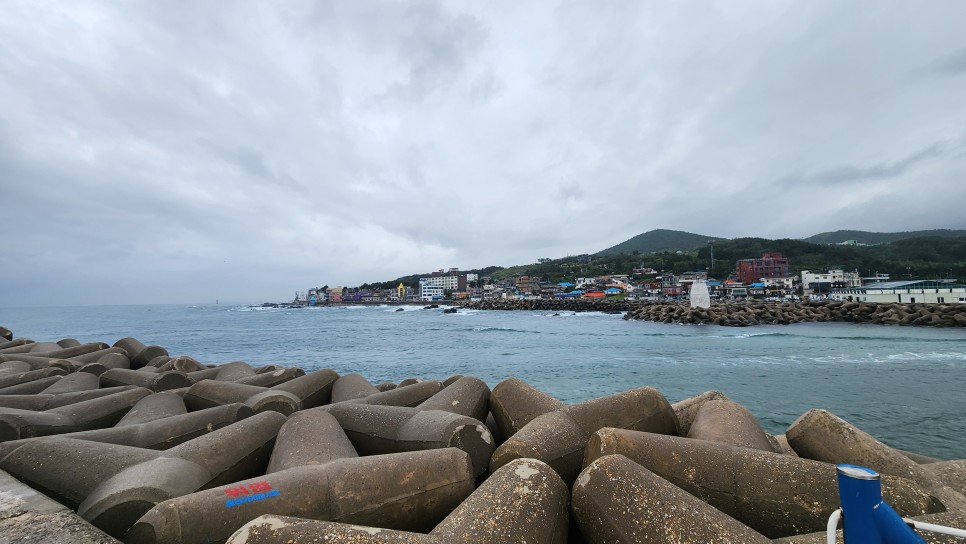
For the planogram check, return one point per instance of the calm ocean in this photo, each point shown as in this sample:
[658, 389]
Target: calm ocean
[906, 386]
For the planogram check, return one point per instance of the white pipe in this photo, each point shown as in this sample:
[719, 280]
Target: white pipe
[935, 528]
[833, 523]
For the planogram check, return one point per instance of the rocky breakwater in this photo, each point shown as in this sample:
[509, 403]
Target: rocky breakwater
[747, 313]
[556, 305]
[168, 449]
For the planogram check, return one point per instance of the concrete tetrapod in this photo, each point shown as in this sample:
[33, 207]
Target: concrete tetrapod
[159, 434]
[9, 368]
[76, 349]
[105, 363]
[38, 362]
[30, 388]
[410, 395]
[8, 379]
[126, 482]
[273, 378]
[153, 407]
[309, 437]
[138, 352]
[13, 342]
[209, 393]
[775, 494]
[410, 491]
[352, 386]
[44, 347]
[728, 422]
[227, 372]
[822, 436]
[524, 501]
[313, 389]
[686, 410]
[515, 403]
[950, 473]
[81, 416]
[617, 500]
[95, 356]
[376, 429]
[182, 363]
[467, 396]
[21, 345]
[163, 381]
[72, 383]
[46, 401]
[558, 438]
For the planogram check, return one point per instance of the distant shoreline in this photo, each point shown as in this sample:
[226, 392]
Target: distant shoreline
[726, 313]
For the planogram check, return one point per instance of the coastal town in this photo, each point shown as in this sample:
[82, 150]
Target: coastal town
[766, 278]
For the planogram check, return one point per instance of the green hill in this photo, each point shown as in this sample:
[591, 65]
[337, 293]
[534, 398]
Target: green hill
[874, 238]
[942, 254]
[660, 240]
[927, 257]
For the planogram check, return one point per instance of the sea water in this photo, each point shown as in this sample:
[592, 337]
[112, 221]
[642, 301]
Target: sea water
[904, 385]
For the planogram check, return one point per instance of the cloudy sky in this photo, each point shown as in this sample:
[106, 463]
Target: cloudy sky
[183, 151]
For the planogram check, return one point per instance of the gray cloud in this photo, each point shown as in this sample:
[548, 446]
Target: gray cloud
[951, 64]
[848, 174]
[171, 152]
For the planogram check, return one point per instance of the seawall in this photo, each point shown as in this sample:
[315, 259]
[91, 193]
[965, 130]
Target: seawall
[747, 313]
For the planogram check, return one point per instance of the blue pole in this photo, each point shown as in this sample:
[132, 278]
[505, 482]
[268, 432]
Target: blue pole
[867, 518]
[859, 491]
[892, 527]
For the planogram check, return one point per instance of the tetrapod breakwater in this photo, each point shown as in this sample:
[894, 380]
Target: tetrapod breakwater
[103, 442]
[745, 313]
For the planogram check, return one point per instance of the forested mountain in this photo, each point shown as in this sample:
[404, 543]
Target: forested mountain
[922, 258]
[871, 238]
[660, 240]
[928, 257]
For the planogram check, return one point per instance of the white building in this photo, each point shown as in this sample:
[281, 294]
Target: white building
[921, 291]
[429, 291]
[786, 283]
[833, 276]
[449, 281]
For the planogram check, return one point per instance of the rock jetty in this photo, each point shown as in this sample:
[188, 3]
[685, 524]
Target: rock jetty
[100, 443]
[751, 312]
[743, 314]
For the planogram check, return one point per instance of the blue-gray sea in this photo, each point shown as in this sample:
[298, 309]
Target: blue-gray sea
[906, 386]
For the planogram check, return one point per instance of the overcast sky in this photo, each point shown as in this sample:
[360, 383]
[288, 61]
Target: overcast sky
[169, 151]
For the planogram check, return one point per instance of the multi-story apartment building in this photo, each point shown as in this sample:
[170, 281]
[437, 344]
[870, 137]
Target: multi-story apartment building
[430, 291]
[770, 265]
[527, 285]
[451, 280]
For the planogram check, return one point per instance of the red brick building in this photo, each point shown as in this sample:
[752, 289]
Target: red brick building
[770, 265]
